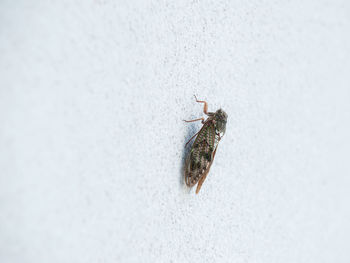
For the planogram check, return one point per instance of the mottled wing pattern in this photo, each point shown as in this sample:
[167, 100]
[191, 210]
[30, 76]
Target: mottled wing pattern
[201, 155]
[202, 178]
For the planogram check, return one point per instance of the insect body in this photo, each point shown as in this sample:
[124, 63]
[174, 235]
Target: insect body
[202, 153]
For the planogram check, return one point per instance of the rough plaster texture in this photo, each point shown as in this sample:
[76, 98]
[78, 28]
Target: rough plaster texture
[92, 97]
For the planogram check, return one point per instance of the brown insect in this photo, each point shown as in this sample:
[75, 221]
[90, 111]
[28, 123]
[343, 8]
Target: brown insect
[202, 153]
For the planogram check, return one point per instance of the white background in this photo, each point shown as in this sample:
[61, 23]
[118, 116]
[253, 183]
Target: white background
[92, 97]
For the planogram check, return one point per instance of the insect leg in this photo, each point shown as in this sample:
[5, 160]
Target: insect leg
[191, 138]
[202, 119]
[205, 108]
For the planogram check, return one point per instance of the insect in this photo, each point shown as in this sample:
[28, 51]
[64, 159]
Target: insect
[202, 153]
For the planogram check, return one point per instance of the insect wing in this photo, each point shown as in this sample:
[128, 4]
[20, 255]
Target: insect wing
[201, 180]
[201, 155]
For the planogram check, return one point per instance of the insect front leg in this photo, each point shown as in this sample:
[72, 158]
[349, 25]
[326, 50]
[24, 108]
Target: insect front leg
[205, 108]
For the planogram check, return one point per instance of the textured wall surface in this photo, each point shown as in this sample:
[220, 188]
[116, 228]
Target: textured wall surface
[92, 97]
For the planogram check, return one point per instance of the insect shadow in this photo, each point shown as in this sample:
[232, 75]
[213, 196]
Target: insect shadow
[191, 129]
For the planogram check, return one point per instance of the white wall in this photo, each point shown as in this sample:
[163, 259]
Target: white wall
[92, 97]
